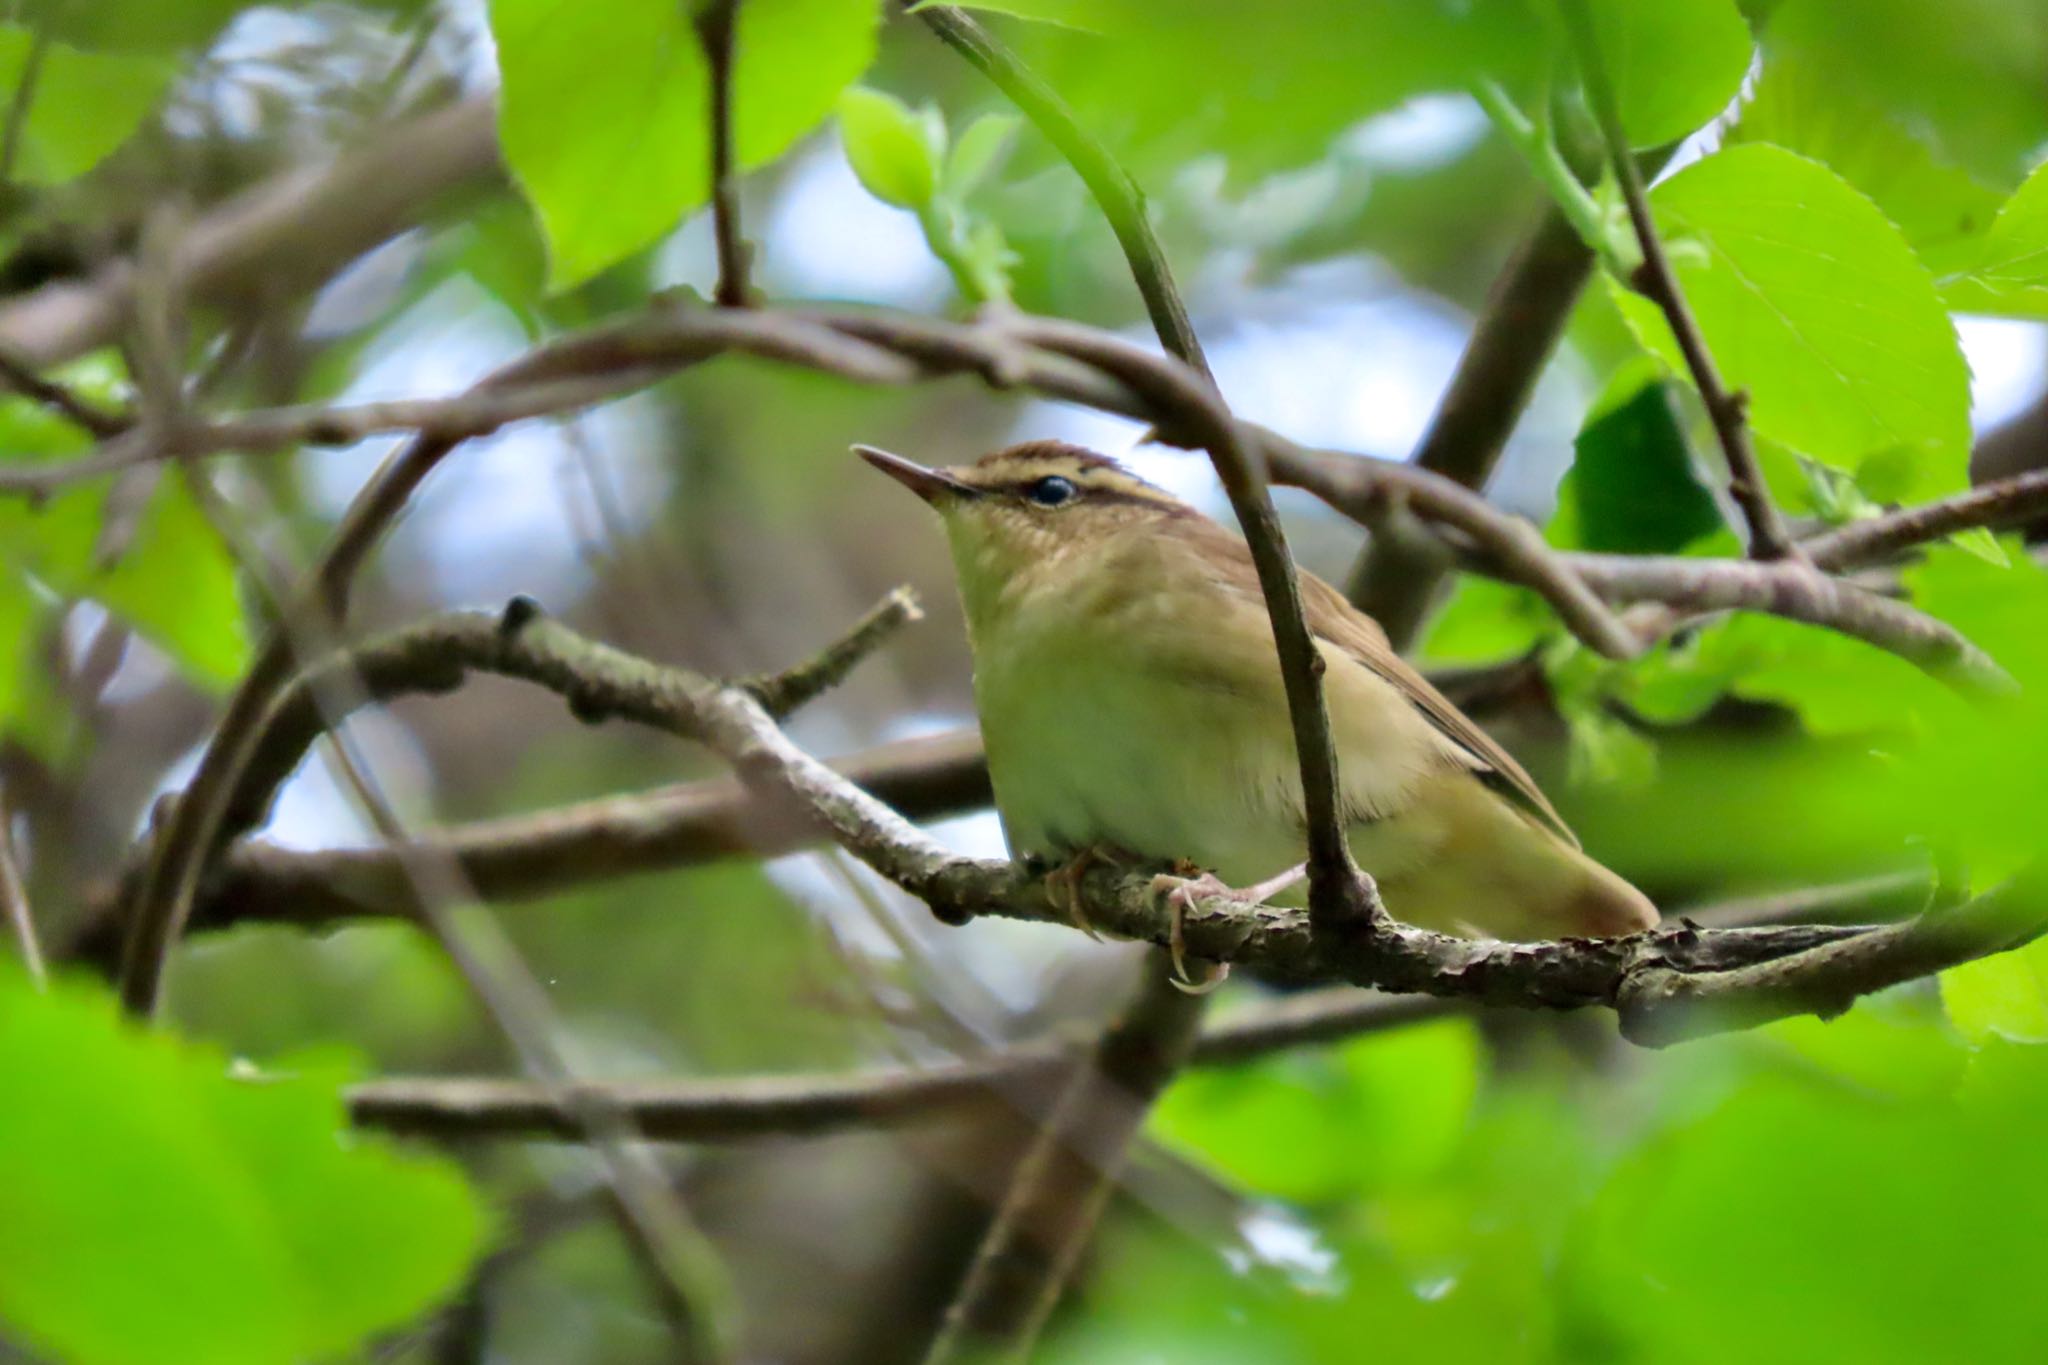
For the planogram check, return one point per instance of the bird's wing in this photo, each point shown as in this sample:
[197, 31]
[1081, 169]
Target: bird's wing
[1332, 618]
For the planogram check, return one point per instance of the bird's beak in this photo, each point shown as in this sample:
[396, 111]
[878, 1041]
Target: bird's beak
[928, 484]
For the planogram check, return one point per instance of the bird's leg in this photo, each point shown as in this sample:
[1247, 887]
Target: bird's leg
[1063, 883]
[1190, 883]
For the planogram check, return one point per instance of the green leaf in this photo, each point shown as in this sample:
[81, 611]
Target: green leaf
[1966, 75]
[2009, 273]
[1836, 684]
[19, 615]
[1812, 303]
[1376, 1113]
[85, 104]
[2005, 996]
[1775, 1228]
[180, 1214]
[177, 585]
[1673, 64]
[1941, 209]
[1087, 16]
[1632, 488]
[604, 110]
[886, 145]
[1266, 89]
[1486, 621]
[980, 149]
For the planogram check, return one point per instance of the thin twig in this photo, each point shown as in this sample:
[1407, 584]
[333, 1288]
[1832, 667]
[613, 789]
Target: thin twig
[784, 692]
[81, 412]
[1338, 892]
[682, 1269]
[21, 920]
[1768, 536]
[1064, 1180]
[2011, 501]
[1118, 195]
[715, 25]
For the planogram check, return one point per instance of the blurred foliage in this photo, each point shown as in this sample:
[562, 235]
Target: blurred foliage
[1490, 1189]
[177, 1212]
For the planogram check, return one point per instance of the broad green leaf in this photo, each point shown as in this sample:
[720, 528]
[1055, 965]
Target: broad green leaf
[1486, 621]
[1941, 208]
[1632, 488]
[1375, 1113]
[885, 143]
[604, 110]
[1268, 88]
[1775, 1228]
[1674, 64]
[978, 151]
[174, 580]
[1815, 306]
[1838, 685]
[179, 1214]
[85, 104]
[2009, 272]
[176, 584]
[1966, 75]
[2004, 996]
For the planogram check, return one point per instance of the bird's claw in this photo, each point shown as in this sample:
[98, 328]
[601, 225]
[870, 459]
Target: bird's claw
[1063, 883]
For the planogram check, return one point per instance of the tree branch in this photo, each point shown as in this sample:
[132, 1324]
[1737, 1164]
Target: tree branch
[1768, 537]
[87, 416]
[2011, 501]
[601, 682]
[1118, 195]
[14, 906]
[1513, 337]
[1064, 1180]
[741, 1110]
[301, 224]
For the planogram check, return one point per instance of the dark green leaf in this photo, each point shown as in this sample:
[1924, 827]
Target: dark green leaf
[1632, 488]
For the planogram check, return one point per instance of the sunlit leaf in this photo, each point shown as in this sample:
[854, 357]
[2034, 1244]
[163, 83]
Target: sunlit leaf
[1815, 306]
[85, 104]
[1940, 208]
[2009, 272]
[885, 144]
[1673, 64]
[2003, 996]
[180, 1214]
[604, 110]
[978, 151]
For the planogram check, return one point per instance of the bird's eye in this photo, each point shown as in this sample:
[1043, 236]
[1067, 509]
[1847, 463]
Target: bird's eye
[1051, 491]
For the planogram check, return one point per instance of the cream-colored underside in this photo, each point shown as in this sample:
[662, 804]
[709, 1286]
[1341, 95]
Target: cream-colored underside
[1120, 710]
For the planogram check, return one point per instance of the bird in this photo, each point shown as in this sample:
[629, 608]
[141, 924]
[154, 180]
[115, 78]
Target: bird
[1132, 710]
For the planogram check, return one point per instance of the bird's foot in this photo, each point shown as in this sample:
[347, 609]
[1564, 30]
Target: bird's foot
[1063, 883]
[1188, 884]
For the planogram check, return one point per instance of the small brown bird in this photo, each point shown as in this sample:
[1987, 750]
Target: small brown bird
[1131, 705]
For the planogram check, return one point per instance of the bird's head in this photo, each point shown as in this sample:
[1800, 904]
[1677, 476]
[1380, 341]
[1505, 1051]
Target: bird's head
[1031, 510]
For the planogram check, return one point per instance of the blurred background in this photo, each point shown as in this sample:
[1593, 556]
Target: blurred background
[1477, 1187]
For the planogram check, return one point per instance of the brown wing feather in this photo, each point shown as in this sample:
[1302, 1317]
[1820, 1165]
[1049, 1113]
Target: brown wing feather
[1332, 618]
